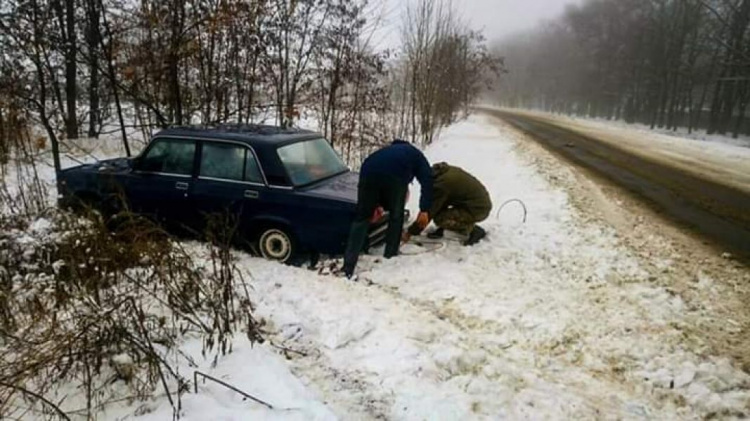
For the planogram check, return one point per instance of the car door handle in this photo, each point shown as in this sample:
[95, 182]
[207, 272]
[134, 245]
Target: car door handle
[251, 194]
[181, 185]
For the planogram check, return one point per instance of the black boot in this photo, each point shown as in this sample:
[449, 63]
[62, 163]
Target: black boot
[477, 233]
[438, 233]
[348, 272]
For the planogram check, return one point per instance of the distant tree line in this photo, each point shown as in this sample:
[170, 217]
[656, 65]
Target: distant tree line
[87, 67]
[664, 63]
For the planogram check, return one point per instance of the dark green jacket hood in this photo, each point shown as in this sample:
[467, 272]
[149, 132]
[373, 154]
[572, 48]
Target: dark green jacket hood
[439, 169]
[452, 186]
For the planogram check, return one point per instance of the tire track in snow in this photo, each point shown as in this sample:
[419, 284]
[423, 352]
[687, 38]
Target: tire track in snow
[363, 400]
[713, 287]
[594, 336]
[486, 335]
[627, 309]
[348, 391]
[474, 354]
[448, 353]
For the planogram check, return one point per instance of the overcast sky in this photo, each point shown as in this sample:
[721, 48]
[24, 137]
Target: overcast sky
[498, 18]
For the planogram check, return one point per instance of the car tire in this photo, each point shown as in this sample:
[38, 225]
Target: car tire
[275, 243]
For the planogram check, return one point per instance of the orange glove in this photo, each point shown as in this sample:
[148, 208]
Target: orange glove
[423, 219]
[377, 214]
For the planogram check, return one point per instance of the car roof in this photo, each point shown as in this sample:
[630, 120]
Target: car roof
[252, 134]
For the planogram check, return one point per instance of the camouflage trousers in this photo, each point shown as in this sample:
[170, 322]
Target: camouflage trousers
[460, 220]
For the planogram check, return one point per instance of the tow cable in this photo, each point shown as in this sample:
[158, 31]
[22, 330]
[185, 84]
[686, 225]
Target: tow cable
[523, 205]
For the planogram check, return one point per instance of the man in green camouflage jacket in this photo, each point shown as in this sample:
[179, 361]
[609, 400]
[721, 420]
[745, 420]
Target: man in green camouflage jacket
[459, 202]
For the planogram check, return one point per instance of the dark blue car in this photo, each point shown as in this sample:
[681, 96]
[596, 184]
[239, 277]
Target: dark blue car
[287, 189]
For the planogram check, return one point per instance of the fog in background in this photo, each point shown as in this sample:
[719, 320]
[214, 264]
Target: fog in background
[497, 18]
[665, 64]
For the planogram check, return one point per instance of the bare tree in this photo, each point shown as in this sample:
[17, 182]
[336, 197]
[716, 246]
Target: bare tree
[293, 33]
[445, 64]
[26, 28]
[93, 43]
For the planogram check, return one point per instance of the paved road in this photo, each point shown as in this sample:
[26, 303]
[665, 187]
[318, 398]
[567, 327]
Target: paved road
[718, 213]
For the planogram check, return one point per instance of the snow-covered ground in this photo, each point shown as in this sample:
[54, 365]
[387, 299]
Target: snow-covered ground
[555, 318]
[680, 133]
[551, 319]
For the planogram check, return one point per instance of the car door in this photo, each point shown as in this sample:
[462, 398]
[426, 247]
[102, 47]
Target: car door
[160, 184]
[229, 186]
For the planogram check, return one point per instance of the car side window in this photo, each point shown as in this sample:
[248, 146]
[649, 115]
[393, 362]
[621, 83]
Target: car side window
[252, 170]
[222, 160]
[170, 156]
[229, 162]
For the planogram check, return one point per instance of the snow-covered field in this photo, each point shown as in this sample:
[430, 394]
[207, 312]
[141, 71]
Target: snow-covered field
[551, 319]
[554, 318]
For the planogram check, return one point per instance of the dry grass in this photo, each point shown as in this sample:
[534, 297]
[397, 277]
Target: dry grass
[85, 307]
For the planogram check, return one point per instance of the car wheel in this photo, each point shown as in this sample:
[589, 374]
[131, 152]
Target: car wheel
[277, 244]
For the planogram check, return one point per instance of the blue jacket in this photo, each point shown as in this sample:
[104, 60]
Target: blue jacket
[403, 161]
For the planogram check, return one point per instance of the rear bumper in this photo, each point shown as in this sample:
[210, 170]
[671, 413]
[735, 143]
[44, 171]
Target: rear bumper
[378, 230]
[376, 235]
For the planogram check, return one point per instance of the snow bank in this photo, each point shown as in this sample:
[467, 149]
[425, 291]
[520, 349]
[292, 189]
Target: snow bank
[726, 162]
[549, 319]
[258, 371]
[681, 134]
[700, 136]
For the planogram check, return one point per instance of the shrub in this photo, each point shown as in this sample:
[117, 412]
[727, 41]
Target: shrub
[86, 306]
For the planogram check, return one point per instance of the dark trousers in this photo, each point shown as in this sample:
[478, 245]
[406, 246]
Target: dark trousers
[388, 192]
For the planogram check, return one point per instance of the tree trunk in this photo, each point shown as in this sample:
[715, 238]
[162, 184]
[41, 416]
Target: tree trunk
[728, 104]
[3, 143]
[71, 70]
[713, 121]
[332, 96]
[173, 62]
[92, 39]
[744, 95]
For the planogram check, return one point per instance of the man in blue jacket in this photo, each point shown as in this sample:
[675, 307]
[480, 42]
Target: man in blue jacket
[384, 180]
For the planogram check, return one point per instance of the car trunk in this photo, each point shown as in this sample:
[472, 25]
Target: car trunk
[344, 187]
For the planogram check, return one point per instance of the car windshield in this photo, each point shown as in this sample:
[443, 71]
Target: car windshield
[310, 161]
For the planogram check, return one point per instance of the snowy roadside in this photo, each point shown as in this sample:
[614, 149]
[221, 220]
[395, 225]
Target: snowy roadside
[721, 159]
[698, 137]
[554, 319]
[681, 133]
[557, 318]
